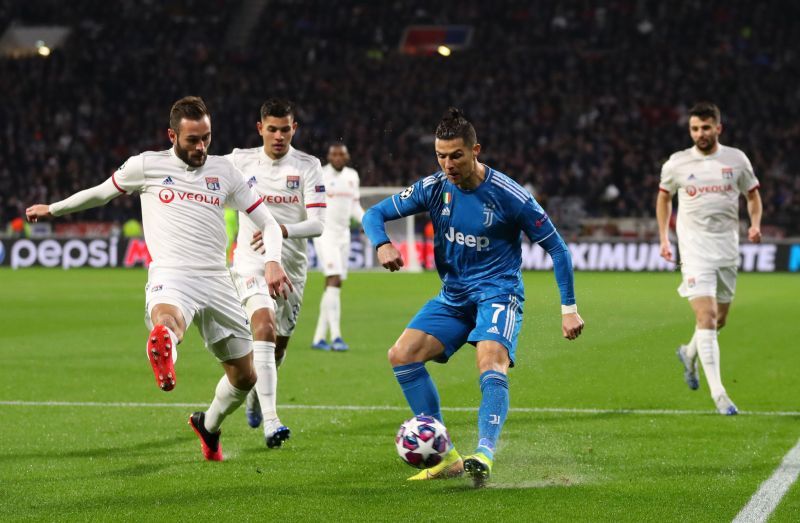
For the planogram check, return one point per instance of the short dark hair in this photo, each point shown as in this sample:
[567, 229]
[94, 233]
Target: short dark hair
[277, 107]
[706, 110]
[189, 107]
[455, 125]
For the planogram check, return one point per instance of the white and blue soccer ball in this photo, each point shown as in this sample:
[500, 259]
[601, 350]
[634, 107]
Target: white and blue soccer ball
[422, 441]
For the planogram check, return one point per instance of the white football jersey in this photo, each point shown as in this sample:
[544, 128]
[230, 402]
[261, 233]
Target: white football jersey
[288, 186]
[182, 207]
[708, 188]
[342, 194]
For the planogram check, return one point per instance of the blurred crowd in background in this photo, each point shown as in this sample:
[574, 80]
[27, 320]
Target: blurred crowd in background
[579, 101]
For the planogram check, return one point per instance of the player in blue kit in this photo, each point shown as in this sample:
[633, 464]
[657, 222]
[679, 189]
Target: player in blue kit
[478, 216]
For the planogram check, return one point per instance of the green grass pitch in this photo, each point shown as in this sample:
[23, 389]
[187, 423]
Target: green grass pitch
[78, 337]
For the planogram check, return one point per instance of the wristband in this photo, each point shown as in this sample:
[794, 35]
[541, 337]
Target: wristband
[381, 244]
[569, 309]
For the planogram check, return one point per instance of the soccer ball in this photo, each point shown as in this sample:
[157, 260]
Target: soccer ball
[422, 441]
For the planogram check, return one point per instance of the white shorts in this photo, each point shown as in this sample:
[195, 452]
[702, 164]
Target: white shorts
[333, 254]
[719, 283]
[254, 294]
[208, 301]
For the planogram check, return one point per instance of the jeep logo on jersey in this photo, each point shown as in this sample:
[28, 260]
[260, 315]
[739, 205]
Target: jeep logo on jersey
[166, 195]
[292, 182]
[468, 240]
[212, 183]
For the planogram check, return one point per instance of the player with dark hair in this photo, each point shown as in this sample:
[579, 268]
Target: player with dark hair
[183, 192]
[709, 178]
[478, 215]
[290, 181]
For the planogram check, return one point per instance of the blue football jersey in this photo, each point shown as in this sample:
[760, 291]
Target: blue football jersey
[478, 233]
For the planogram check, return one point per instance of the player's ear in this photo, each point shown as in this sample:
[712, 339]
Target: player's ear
[476, 149]
[259, 127]
[172, 136]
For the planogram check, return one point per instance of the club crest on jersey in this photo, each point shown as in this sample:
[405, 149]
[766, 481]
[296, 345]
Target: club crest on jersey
[488, 214]
[212, 183]
[727, 173]
[319, 188]
[292, 182]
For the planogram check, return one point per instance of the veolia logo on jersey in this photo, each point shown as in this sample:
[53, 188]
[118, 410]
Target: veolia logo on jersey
[692, 190]
[277, 198]
[168, 195]
[468, 240]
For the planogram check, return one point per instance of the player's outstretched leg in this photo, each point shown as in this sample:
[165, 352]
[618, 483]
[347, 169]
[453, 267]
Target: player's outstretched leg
[491, 416]
[209, 441]
[162, 354]
[252, 409]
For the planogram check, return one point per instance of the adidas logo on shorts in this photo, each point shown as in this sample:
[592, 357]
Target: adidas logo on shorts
[493, 330]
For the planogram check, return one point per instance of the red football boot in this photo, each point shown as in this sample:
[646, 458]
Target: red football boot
[209, 442]
[159, 352]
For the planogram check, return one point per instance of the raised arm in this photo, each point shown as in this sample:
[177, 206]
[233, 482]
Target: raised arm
[86, 199]
[408, 202]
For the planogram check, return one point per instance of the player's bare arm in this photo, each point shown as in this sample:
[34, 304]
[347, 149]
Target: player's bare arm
[390, 257]
[754, 209]
[663, 213]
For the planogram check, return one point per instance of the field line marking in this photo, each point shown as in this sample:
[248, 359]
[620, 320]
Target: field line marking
[535, 410]
[771, 492]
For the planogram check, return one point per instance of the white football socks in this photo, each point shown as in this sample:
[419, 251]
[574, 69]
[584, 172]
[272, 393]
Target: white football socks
[334, 309]
[708, 351]
[227, 399]
[691, 347]
[267, 384]
[322, 320]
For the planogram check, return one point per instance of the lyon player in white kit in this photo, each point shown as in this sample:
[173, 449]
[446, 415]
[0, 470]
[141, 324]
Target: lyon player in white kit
[290, 181]
[183, 192]
[333, 247]
[708, 178]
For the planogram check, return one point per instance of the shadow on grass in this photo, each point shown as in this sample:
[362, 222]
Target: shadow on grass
[150, 445]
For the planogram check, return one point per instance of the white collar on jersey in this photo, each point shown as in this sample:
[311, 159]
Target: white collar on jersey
[180, 163]
[700, 156]
[283, 158]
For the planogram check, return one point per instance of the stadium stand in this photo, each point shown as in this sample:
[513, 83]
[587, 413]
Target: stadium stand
[581, 101]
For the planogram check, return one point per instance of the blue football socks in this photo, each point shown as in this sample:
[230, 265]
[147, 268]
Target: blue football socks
[493, 410]
[418, 387]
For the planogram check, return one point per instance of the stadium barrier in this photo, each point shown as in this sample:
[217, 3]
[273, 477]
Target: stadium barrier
[632, 256]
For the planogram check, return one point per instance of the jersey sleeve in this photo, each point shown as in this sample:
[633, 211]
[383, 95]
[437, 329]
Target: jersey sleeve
[129, 178]
[241, 196]
[534, 221]
[668, 182]
[356, 211]
[747, 181]
[314, 190]
[411, 200]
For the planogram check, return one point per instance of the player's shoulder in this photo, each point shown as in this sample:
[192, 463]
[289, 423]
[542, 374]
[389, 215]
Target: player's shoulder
[352, 173]
[148, 159]
[679, 158]
[732, 154]
[304, 160]
[249, 152]
[221, 165]
[433, 180]
[507, 187]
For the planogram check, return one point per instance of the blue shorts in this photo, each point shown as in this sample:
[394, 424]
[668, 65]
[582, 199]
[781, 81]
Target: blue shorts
[498, 318]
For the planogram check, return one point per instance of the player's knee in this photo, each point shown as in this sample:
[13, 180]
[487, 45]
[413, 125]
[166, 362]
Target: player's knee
[245, 380]
[399, 356]
[262, 326]
[707, 320]
[721, 322]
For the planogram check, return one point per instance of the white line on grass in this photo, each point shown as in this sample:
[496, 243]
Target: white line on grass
[556, 410]
[769, 494]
